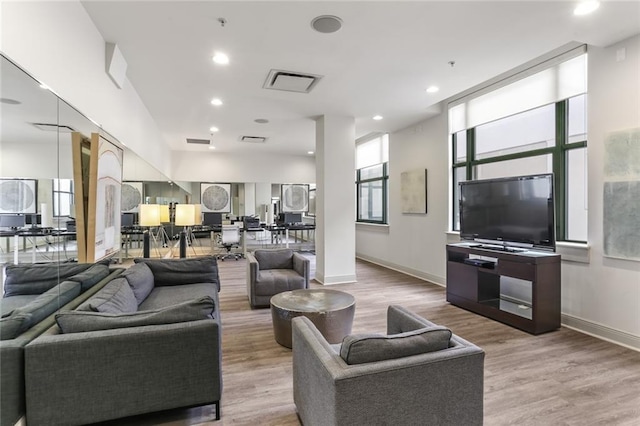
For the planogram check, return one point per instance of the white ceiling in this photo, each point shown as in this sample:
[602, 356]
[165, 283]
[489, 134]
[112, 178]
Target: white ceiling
[381, 61]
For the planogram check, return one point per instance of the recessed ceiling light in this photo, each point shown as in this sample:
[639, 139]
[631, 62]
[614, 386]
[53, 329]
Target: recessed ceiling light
[432, 89]
[377, 117]
[216, 102]
[326, 24]
[261, 120]
[310, 152]
[220, 58]
[44, 86]
[212, 147]
[213, 129]
[586, 7]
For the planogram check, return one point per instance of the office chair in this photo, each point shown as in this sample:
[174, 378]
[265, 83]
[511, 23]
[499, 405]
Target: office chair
[230, 239]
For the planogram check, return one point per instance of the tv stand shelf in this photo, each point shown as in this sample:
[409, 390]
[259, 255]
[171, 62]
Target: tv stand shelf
[518, 288]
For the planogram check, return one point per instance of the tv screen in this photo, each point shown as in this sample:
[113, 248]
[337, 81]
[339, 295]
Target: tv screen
[515, 209]
[12, 221]
[127, 219]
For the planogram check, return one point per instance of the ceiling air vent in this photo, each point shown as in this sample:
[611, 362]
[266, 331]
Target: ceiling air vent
[199, 141]
[48, 127]
[291, 81]
[253, 139]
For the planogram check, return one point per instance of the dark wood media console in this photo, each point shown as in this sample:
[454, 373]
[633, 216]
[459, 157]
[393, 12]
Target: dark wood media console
[520, 288]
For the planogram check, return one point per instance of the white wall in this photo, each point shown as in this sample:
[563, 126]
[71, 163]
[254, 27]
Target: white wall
[58, 44]
[414, 243]
[224, 167]
[600, 297]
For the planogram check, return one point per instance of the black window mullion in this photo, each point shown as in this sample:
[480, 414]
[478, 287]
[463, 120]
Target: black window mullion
[560, 170]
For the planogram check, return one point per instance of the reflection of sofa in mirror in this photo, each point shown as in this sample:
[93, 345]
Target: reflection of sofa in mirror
[31, 296]
[150, 340]
[416, 374]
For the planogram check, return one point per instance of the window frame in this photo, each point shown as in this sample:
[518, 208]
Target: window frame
[385, 193]
[559, 152]
[56, 198]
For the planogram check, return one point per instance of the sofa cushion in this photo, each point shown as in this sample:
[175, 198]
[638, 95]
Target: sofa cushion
[183, 271]
[274, 281]
[274, 259]
[162, 297]
[90, 276]
[358, 349]
[115, 298]
[50, 301]
[78, 321]
[36, 279]
[140, 279]
[14, 325]
[9, 304]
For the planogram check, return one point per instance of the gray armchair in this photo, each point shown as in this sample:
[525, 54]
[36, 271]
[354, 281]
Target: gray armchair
[270, 272]
[418, 373]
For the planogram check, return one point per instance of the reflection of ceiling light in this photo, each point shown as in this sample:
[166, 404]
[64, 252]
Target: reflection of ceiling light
[213, 129]
[310, 152]
[432, 89]
[212, 147]
[216, 102]
[377, 117]
[220, 58]
[44, 86]
[261, 120]
[586, 7]
[9, 101]
[326, 24]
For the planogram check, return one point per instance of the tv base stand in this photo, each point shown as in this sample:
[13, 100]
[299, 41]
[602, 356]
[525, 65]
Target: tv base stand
[521, 289]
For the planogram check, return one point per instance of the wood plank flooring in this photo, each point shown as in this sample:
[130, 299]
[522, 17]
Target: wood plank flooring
[558, 378]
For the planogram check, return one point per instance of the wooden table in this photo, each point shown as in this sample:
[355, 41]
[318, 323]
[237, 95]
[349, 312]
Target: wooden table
[331, 311]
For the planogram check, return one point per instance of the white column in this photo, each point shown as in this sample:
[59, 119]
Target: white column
[263, 199]
[335, 200]
[249, 198]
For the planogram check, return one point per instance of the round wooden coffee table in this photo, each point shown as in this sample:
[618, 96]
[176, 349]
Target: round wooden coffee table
[331, 311]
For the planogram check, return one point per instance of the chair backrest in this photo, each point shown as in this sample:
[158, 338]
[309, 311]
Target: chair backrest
[230, 234]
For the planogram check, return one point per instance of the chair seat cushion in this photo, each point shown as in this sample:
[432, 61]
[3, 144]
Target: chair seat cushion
[84, 321]
[274, 281]
[362, 348]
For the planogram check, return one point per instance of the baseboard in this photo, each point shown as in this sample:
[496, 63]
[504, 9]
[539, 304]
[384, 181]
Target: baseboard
[600, 331]
[336, 279]
[434, 279]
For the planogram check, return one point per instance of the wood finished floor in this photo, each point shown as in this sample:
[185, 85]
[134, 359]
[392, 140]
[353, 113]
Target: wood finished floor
[559, 378]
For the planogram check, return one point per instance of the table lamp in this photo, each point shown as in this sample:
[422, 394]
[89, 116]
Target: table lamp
[185, 216]
[148, 216]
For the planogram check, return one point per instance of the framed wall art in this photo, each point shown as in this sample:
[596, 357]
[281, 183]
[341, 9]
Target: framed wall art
[215, 197]
[18, 196]
[132, 196]
[413, 191]
[294, 198]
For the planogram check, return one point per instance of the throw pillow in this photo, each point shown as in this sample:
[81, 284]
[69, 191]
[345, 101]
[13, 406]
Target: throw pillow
[82, 321]
[359, 349]
[13, 325]
[274, 259]
[140, 279]
[115, 298]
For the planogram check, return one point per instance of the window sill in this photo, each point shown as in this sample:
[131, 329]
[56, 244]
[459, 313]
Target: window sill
[372, 227]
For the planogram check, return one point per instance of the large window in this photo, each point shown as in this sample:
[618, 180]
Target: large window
[62, 197]
[534, 125]
[372, 156]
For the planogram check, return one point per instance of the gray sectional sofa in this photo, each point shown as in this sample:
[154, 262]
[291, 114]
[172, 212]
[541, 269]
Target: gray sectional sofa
[32, 294]
[149, 340]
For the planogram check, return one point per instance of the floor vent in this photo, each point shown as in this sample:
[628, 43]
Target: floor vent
[253, 139]
[199, 141]
[290, 81]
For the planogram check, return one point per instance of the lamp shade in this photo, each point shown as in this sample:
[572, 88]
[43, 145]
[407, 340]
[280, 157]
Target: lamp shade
[164, 214]
[149, 214]
[197, 214]
[185, 215]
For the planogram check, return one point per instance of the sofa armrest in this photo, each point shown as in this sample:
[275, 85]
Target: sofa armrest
[89, 377]
[301, 266]
[449, 384]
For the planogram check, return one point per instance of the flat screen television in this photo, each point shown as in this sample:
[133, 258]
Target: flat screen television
[517, 210]
[212, 219]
